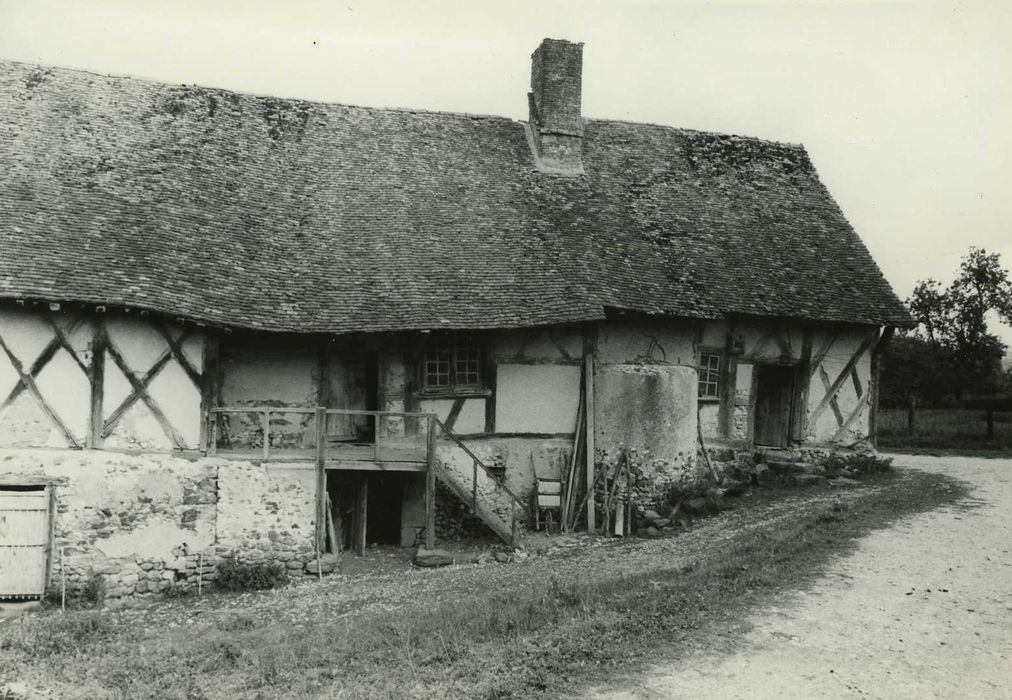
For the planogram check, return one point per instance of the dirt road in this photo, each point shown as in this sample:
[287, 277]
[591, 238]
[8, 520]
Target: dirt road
[920, 610]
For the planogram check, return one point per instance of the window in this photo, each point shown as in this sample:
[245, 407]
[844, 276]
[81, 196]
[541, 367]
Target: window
[452, 360]
[709, 375]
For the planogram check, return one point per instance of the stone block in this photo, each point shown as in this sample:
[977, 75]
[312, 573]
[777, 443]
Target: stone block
[431, 558]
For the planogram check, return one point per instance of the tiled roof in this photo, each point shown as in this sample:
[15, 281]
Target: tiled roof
[277, 214]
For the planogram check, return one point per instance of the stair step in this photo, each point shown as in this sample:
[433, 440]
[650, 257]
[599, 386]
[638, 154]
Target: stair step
[784, 467]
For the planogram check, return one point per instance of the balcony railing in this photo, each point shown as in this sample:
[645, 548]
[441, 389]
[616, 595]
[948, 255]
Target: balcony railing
[338, 438]
[287, 433]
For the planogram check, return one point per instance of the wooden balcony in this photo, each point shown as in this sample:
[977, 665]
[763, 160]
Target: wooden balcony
[358, 440]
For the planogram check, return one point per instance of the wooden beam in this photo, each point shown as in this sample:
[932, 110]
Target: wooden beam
[140, 391]
[321, 479]
[876, 378]
[820, 355]
[176, 350]
[490, 373]
[96, 379]
[455, 409]
[846, 424]
[430, 486]
[208, 393]
[29, 384]
[363, 514]
[835, 386]
[803, 380]
[588, 389]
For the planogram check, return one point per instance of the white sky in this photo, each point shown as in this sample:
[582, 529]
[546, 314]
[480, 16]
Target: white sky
[905, 107]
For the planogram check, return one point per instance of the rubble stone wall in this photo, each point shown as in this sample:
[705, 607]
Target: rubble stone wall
[146, 523]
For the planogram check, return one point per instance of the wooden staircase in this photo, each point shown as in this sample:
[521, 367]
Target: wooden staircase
[478, 486]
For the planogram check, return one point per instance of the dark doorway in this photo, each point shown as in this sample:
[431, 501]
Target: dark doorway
[774, 404]
[365, 508]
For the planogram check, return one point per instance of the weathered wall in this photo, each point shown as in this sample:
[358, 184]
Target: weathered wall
[652, 409]
[60, 350]
[268, 511]
[537, 379]
[144, 350]
[145, 522]
[264, 370]
[845, 419]
[62, 380]
[635, 340]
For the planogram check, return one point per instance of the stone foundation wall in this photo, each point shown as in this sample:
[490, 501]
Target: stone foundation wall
[146, 523]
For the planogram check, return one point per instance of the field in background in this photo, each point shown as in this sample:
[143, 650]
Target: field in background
[946, 429]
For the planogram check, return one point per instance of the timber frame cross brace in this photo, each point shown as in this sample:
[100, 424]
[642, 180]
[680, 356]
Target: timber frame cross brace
[832, 389]
[139, 383]
[26, 378]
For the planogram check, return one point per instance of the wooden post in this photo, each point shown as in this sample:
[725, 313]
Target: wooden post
[265, 426]
[588, 392]
[802, 380]
[990, 422]
[96, 422]
[876, 379]
[321, 479]
[363, 513]
[208, 393]
[912, 415]
[430, 486]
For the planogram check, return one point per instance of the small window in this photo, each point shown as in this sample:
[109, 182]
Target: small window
[452, 360]
[709, 375]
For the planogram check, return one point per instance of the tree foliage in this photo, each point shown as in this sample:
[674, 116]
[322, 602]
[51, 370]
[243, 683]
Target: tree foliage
[952, 353]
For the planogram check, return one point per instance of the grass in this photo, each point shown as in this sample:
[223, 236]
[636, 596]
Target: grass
[528, 632]
[945, 431]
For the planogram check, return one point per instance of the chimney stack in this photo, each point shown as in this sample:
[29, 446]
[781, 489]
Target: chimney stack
[556, 126]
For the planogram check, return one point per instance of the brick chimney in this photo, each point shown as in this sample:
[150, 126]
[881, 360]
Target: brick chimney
[556, 127]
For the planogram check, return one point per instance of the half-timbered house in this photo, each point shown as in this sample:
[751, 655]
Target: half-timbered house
[241, 324]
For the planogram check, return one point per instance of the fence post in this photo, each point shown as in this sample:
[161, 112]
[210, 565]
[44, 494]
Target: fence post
[912, 415]
[990, 422]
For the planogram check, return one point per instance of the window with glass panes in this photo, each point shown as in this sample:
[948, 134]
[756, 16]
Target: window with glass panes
[709, 375]
[452, 360]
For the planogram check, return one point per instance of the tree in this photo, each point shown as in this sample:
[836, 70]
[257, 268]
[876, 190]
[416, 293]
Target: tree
[952, 321]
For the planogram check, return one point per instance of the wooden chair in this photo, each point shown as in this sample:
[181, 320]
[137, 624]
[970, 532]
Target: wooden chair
[547, 503]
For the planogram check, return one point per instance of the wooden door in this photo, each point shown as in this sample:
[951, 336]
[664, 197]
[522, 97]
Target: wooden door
[773, 405]
[24, 541]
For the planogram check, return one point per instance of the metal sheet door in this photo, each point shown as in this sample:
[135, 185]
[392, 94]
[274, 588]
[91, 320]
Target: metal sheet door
[24, 542]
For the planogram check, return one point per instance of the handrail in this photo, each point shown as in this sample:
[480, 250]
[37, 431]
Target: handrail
[475, 464]
[320, 418]
[472, 455]
[265, 421]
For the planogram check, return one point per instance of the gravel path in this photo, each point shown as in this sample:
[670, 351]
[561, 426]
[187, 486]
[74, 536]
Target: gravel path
[920, 610]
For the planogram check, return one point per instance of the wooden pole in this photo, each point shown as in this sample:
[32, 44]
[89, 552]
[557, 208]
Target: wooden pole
[321, 478]
[570, 482]
[363, 514]
[430, 486]
[588, 392]
[63, 579]
[96, 422]
[990, 422]
[912, 415]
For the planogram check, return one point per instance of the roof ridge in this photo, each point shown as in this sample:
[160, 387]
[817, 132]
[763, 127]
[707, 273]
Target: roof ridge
[262, 96]
[687, 130]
